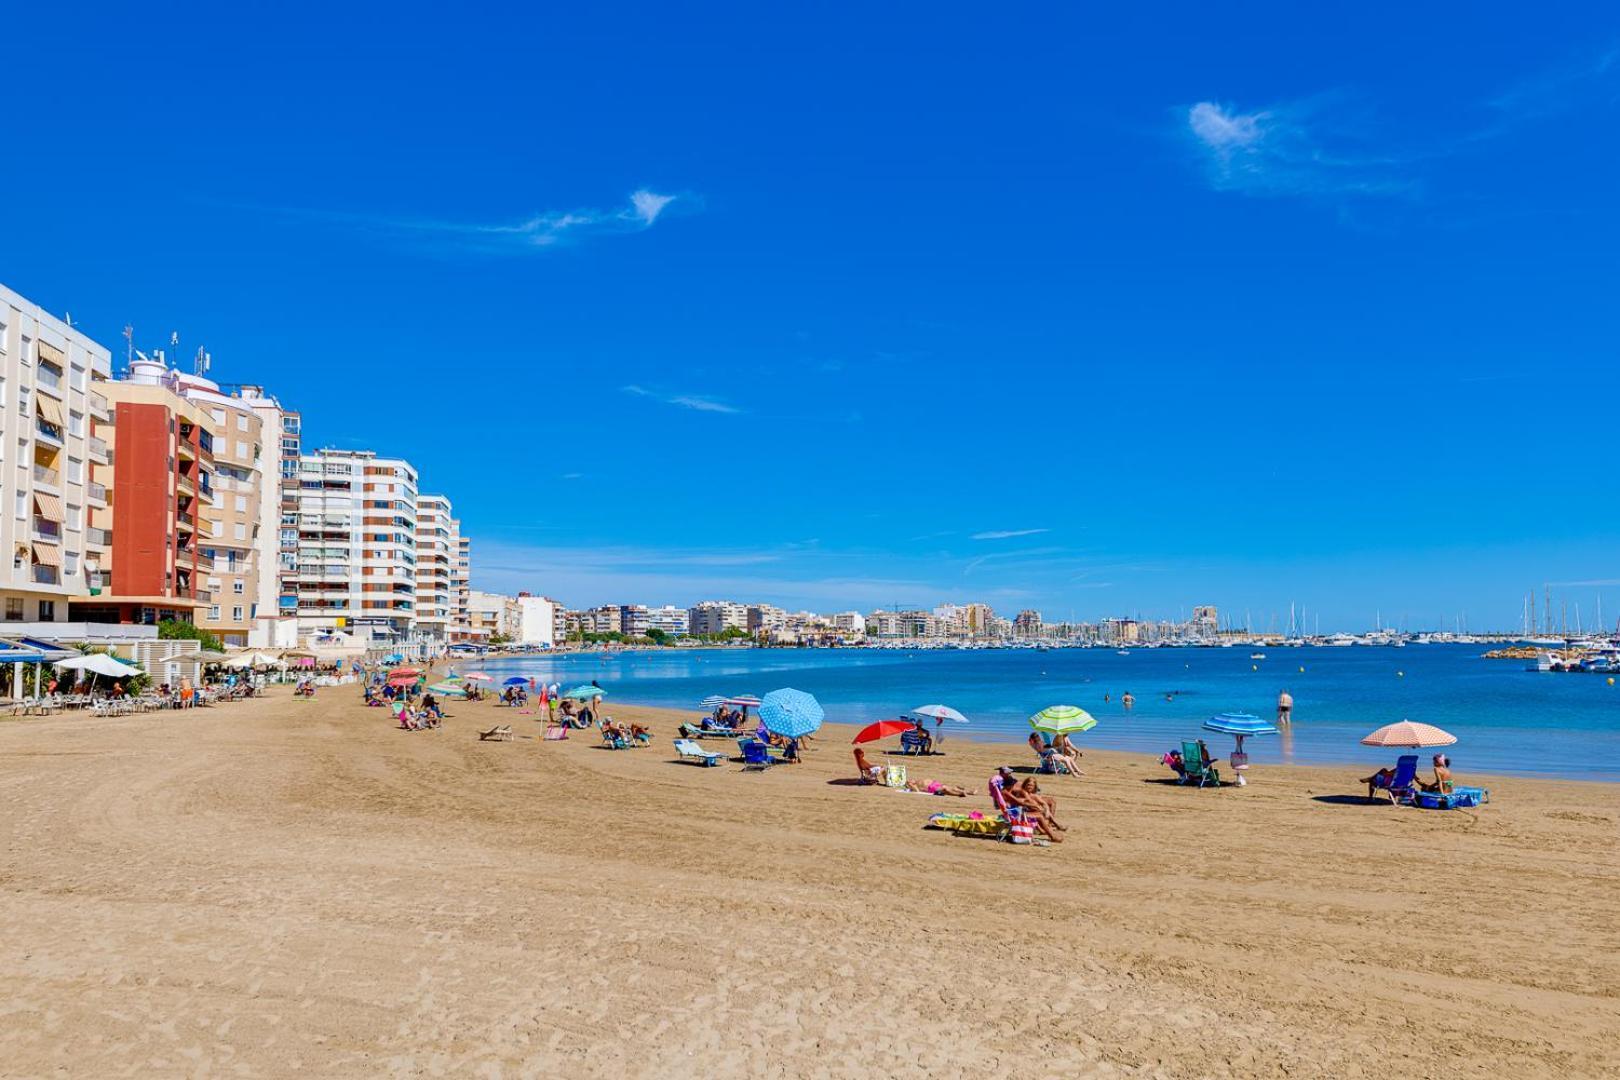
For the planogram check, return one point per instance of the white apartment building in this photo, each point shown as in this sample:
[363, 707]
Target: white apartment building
[461, 586]
[765, 617]
[716, 616]
[275, 623]
[437, 553]
[356, 553]
[851, 622]
[633, 620]
[537, 620]
[670, 619]
[48, 372]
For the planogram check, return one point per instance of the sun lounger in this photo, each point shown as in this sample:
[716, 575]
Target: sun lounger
[1193, 767]
[498, 733]
[993, 825]
[616, 742]
[691, 751]
[1403, 785]
[1051, 763]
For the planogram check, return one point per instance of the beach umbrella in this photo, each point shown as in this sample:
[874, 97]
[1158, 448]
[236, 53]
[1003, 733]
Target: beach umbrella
[1062, 719]
[402, 680]
[744, 701]
[1408, 734]
[479, 676]
[881, 730]
[940, 713]
[99, 664]
[713, 701]
[447, 688]
[790, 713]
[1240, 725]
[584, 693]
[404, 672]
[516, 680]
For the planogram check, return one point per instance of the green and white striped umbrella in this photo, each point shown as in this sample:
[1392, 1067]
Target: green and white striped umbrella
[1062, 720]
[447, 687]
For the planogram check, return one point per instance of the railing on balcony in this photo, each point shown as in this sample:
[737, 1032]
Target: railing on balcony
[185, 519]
[48, 431]
[45, 529]
[99, 406]
[97, 492]
[98, 446]
[98, 537]
[198, 559]
[49, 379]
[46, 575]
[46, 475]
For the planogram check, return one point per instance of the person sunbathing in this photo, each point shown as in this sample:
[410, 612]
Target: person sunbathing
[1382, 780]
[1442, 775]
[934, 787]
[1067, 753]
[1025, 793]
[640, 734]
[1014, 799]
[870, 773]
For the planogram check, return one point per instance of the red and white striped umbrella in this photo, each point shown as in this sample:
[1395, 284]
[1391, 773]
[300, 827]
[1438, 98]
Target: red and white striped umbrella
[1408, 733]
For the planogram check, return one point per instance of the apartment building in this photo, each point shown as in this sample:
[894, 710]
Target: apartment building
[356, 548]
[491, 614]
[437, 553]
[672, 620]
[50, 394]
[537, 620]
[461, 587]
[160, 509]
[716, 617]
[276, 624]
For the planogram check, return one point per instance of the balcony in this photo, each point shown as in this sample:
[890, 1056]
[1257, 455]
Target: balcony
[100, 409]
[49, 434]
[186, 520]
[97, 493]
[98, 449]
[44, 474]
[98, 537]
[46, 575]
[47, 530]
[197, 558]
[49, 380]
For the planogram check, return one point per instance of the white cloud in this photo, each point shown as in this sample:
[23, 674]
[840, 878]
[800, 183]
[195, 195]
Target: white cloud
[686, 401]
[547, 229]
[1007, 534]
[1299, 149]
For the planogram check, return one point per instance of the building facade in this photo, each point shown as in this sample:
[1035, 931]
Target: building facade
[712, 617]
[50, 402]
[356, 522]
[537, 620]
[669, 619]
[437, 553]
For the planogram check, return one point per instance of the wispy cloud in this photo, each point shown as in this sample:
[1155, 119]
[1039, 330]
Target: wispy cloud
[1007, 534]
[1304, 148]
[1563, 87]
[538, 232]
[685, 401]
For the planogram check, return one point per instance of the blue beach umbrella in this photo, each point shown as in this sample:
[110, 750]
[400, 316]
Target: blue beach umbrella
[1239, 725]
[792, 714]
[516, 680]
[585, 693]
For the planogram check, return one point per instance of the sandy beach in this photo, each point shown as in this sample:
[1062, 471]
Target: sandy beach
[284, 886]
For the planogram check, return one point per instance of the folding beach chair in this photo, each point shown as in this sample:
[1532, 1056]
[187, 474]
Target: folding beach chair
[1402, 787]
[1193, 767]
[757, 756]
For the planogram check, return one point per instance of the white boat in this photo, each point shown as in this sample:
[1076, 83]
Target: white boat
[1257, 656]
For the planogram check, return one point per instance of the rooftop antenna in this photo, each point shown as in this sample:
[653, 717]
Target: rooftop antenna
[202, 361]
[129, 344]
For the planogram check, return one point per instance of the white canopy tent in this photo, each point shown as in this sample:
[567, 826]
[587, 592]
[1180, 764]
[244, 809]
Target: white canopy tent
[99, 664]
[255, 659]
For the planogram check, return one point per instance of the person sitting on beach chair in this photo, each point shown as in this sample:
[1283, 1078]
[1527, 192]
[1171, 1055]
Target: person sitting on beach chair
[1067, 753]
[640, 734]
[1003, 792]
[870, 773]
[430, 707]
[1398, 782]
[1026, 794]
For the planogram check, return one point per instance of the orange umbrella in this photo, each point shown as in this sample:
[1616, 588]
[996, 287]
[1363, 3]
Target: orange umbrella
[1409, 734]
[882, 730]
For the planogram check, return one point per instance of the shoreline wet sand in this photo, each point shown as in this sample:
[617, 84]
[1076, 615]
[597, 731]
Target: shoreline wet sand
[285, 885]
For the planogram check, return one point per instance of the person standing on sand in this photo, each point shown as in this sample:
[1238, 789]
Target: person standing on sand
[1285, 707]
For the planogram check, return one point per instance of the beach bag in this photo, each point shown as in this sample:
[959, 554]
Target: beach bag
[1020, 830]
[896, 776]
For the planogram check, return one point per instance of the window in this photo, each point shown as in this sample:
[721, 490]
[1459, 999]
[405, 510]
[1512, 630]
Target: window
[219, 416]
[77, 377]
[47, 611]
[2, 338]
[236, 587]
[70, 562]
[75, 423]
[218, 527]
[2, 380]
[239, 530]
[241, 504]
[14, 609]
[241, 449]
[75, 470]
[26, 341]
[213, 612]
[22, 508]
[236, 614]
[241, 422]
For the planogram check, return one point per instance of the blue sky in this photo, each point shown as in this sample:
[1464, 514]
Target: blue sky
[1102, 312]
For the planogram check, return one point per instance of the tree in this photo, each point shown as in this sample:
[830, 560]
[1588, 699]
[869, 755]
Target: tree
[175, 630]
[656, 636]
[498, 638]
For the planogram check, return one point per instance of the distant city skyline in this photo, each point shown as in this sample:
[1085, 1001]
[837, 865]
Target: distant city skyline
[1071, 311]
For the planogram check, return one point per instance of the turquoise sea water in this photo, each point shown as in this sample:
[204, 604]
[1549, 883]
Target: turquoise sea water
[1507, 719]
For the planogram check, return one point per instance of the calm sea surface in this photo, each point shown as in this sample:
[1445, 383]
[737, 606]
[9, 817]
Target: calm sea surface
[1507, 719]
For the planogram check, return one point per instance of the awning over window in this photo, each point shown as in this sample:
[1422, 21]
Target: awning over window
[50, 352]
[49, 411]
[46, 555]
[50, 507]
